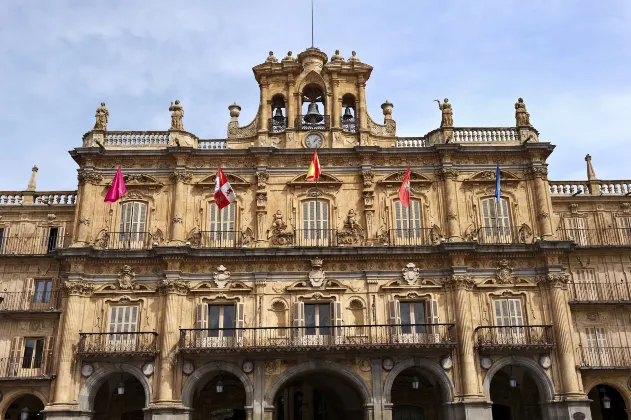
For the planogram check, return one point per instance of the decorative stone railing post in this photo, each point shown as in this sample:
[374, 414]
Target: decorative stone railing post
[173, 289]
[291, 109]
[179, 176]
[265, 105]
[74, 293]
[450, 175]
[460, 285]
[540, 178]
[86, 195]
[336, 105]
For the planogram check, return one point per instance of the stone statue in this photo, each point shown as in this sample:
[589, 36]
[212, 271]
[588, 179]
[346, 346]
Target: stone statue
[177, 113]
[289, 57]
[271, 58]
[102, 115]
[337, 57]
[445, 107]
[278, 224]
[522, 117]
[353, 57]
[351, 221]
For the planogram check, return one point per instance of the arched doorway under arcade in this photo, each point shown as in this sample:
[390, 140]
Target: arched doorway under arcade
[607, 403]
[25, 407]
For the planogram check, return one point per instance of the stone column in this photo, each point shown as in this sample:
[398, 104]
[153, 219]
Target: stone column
[461, 284]
[361, 104]
[335, 102]
[556, 284]
[75, 292]
[172, 289]
[450, 175]
[179, 176]
[291, 104]
[87, 181]
[265, 106]
[540, 177]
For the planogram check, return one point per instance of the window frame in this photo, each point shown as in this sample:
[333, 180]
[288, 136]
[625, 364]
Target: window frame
[315, 231]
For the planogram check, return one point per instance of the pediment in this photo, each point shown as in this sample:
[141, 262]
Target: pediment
[489, 176]
[140, 180]
[330, 286]
[209, 286]
[397, 178]
[325, 180]
[234, 180]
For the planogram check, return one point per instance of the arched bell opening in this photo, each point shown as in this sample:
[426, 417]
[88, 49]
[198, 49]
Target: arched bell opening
[278, 122]
[312, 108]
[26, 407]
[349, 118]
[222, 397]
[120, 396]
[515, 395]
[607, 403]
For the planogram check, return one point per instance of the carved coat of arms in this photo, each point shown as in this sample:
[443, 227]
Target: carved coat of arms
[317, 276]
[127, 278]
[221, 277]
[411, 274]
[504, 272]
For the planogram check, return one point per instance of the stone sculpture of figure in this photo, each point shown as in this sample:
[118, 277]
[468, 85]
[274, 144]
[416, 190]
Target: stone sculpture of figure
[289, 57]
[522, 117]
[279, 223]
[351, 220]
[177, 113]
[353, 57]
[337, 57]
[102, 115]
[445, 107]
[270, 58]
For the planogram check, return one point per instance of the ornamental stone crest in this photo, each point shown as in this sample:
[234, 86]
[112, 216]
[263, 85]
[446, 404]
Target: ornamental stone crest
[317, 275]
[352, 232]
[279, 235]
[411, 274]
[504, 272]
[127, 279]
[221, 277]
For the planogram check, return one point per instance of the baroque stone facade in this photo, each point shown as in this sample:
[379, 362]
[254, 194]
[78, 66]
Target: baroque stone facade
[324, 300]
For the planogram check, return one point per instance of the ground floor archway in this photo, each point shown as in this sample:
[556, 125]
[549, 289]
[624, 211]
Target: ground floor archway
[26, 407]
[223, 397]
[121, 396]
[415, 396]
[515, 395]
[607, 403]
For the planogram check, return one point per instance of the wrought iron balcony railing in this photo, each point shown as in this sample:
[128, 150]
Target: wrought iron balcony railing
[40, 301]
[217, 239]
[493, 235]
[508, 338]
[124, 240]
[412, 237]
[349, 126]
[301, 124]
[355, 337]
[597, 237]
[32, 245]
[591, 292]
[125, 344]
[604, 357]
[315, 237]
[277, 125]
[26, 367]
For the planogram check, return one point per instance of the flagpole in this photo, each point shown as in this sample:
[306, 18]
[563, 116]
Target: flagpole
[317, 211]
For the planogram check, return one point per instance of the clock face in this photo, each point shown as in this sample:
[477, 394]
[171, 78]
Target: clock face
[314, 141]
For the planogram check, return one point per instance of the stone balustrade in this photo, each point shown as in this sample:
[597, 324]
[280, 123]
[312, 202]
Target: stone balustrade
[484, 134]
[411, 142]
[615, 187]
[136, 138]
[11, 198]
[558, 188]
[212, 144]
[46, 198]
[568, 187]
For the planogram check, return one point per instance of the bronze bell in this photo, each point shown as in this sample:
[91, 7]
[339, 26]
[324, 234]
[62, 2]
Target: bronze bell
[313, 115]
[348, 116]
[278, 114]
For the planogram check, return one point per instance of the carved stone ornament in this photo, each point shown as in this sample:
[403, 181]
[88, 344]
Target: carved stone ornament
[278, 234]
[176, 286]
[78, 288]
[317, 275]
[84, 221]
[460, 281]
[504, 272]
[93, 178]
[411, 273]
[221, 277]
[448, 173]
[177, 113]
[447, 119]
[51, 217]
[539, 172]
[352, 233]
[194, 237]
[177, 219]
[102, 115]
[181, 175]
[367, 176]
[127, 279]
[261, 178]
[556, 279]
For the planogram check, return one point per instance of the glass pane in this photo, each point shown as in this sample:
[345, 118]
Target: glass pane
[324, 318]
[419, 316]
[39, 353]
[310, 319]
[228, 321]
[405, 318]
[29, 348]
[213, 320]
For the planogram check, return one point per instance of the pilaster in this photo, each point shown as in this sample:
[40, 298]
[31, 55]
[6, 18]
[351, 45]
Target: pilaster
[449, 175]
[180, 177]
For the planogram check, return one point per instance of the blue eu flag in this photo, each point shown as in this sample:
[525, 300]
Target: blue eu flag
[497, 183]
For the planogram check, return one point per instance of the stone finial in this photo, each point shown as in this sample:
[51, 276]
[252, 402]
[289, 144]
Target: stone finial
[522, 117]
[177, 113]
[270, 58]
[289, 57]
[353, 57]
[386, 107]
[32, 183]
[447, 113]
[591, 174]
[337, 57]
[102, 115]
[235, 111]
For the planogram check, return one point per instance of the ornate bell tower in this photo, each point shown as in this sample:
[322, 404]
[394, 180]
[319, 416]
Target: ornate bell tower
[308, 101]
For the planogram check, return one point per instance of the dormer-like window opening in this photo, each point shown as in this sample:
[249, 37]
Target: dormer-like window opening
[278, 122]
[312, 117]
[349, 118]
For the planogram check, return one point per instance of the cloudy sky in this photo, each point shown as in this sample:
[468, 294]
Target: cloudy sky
[569, 59]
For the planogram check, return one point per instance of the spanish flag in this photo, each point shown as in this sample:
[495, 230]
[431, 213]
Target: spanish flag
[314, 171]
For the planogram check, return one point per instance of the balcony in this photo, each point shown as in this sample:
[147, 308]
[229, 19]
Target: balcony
[349, 125]
[604, 357]
[217, 239]
[45, 301]
[412, 237]
[502, 235]
[591, 292]
[32, 245]
[108, 345]
[310, 339]
[597, 237]
[277, 125]
[527, 337]
[124, 240]
[325, 124]
[33, 367]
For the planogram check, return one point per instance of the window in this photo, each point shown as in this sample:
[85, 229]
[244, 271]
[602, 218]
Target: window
[315, 322]
[412, 315]
[2, 247]
[575, 230]
[123, 323]
[496, 221]
[54, 238]
[33, 353]
[585, 287]
[43, 290]
[221, 320]
[407, 222]
[133, 224]
[29, 356]
[222, 226]
[220, 325]
[623, 225]
[415, 321]
[315, 224]
[317, 318]
[597, 352]
[508, 316]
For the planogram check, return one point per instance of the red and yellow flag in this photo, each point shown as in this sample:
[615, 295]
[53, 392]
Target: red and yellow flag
[314, 171]
[404, 189]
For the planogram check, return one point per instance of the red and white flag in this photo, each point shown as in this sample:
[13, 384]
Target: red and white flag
[404, 189]
[224, 194]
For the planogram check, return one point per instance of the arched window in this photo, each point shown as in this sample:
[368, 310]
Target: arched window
[496, 222]
[222, 226]
[278, 122]
[133, 227]
[408, 228]
[312, 117]
[315, 224]
[349, 118]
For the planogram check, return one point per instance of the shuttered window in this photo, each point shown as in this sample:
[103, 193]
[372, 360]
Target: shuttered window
[407, 222]
[576, 230]
[508, 313]
[317, 318]
[315, 223]
[133, 221]
[123, 319]
[43, 291]
[496, 221]
[222, 225]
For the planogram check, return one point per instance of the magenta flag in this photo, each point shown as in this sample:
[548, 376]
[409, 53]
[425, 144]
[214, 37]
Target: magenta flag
[118, 189]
